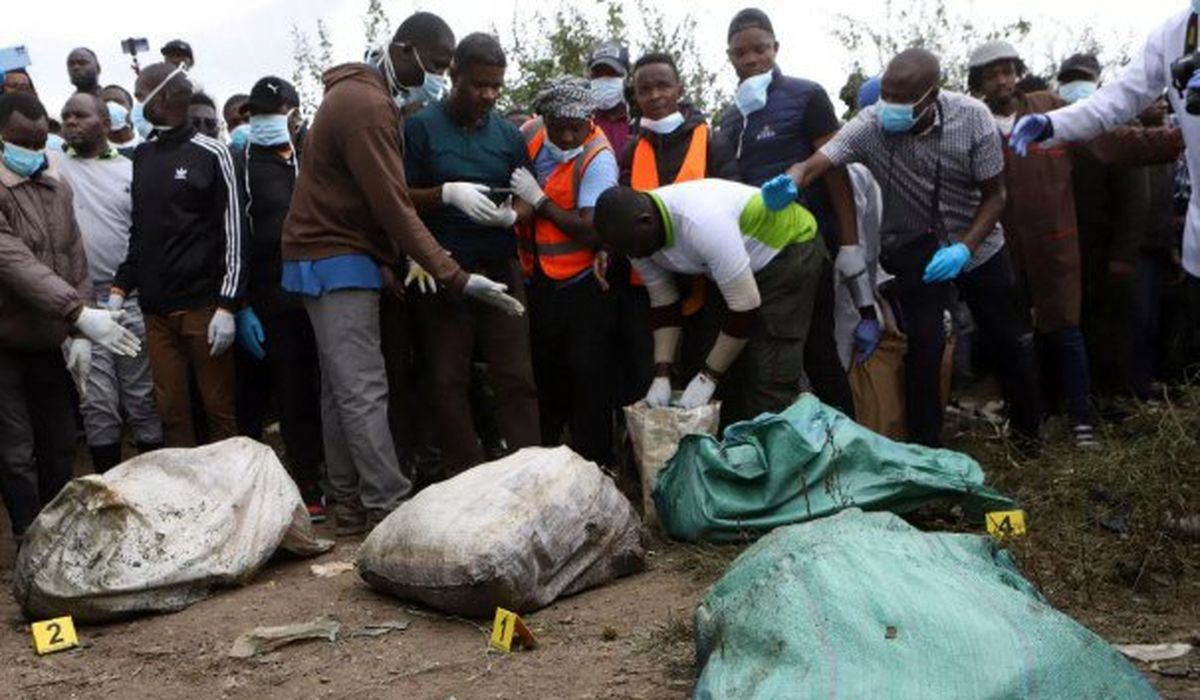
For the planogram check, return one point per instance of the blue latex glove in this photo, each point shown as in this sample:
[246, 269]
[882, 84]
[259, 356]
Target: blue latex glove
[947, 263]
[1030, 128]
[866, 338]
[250, 332]
[778, 192]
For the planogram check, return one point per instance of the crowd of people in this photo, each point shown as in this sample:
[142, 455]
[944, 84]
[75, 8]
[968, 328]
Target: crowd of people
[413, 282]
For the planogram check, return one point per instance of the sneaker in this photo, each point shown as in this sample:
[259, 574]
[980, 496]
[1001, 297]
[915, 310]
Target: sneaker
[1085, 436]
[316, 510]
[349, 519]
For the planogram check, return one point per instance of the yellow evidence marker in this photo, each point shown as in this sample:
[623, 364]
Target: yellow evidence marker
[54, 635]
[1006, 523]
[508, 625]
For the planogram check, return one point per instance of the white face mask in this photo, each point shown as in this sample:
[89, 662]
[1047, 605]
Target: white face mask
[607, 92]
[559, 155]
[666, 125]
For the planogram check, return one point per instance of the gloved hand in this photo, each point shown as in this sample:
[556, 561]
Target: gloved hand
[104, 328]
[116, 302]
[947, 263]
[250, 332]
[851, 261]
[504, 217]
[471, 199]
[778, 192]
[492, 293]
[698, 392]
[417, 275]
[866, 338]
[221, 330]
[659, 395]
[526, 186]
[78, 355]
[1030, 128]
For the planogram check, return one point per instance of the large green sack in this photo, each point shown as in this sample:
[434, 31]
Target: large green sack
[808, 462]
[863, 605]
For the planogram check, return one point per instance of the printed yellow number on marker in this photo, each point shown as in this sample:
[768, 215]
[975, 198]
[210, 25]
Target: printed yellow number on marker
[502, 630]
[54, 635]
[1006, 523]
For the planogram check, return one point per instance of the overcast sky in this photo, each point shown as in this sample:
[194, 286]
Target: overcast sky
[238, 41]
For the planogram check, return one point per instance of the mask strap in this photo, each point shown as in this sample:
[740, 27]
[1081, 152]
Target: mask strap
[179, 69]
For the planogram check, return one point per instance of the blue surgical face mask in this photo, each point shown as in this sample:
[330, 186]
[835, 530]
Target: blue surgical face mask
[140, 124]
[239, 137]
[559, 155]
[1196, 6]
[751, 94]
[666, 125]
[24, 161]
[1077, 90]
[607, 92]
[270, 130]
[431, 89]
[54, 142]
[118, 115]
[900, 117]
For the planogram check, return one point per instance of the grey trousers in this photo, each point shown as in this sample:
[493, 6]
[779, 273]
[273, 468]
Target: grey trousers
[360, 456]
[121, 386]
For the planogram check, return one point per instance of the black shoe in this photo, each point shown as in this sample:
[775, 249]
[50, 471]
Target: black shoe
[105, 457]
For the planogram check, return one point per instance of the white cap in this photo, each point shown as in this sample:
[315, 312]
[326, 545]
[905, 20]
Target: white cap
[993, 51]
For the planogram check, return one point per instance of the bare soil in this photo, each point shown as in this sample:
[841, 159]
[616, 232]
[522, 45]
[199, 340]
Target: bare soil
[630, 639]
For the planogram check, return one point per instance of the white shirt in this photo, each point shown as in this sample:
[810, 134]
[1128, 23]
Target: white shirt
[705, 235]
[103, 208]
[1142, 82]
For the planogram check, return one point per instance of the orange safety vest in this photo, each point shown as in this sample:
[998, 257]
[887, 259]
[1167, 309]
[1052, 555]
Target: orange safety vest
[644, 177]
[559, 256]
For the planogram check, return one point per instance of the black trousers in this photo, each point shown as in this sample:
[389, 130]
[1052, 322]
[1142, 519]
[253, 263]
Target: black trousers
[822, 365]
[37, 431]
[990, 292]
[290, 372]
[572, 335]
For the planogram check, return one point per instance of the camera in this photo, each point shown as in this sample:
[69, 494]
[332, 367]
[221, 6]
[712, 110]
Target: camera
[1182, 71]
[135, 46]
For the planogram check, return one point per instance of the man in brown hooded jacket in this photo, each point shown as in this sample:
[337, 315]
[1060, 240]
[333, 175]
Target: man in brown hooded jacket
[351, 220]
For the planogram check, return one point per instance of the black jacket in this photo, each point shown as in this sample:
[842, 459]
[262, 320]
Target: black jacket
[186, 242]
[670, 150]
[265, 183]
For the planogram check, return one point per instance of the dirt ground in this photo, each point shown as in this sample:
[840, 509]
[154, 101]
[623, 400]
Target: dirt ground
[630, 639]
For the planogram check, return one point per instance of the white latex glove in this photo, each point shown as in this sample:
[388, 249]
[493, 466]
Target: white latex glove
[104, 328]
[221, 331]
[526, 186]
[659, 395]
[471, 199]
[505, 216]
[492, 293]
[116, 302]
[851, 261]
[77, 352]
[698, 392]
[417, 275]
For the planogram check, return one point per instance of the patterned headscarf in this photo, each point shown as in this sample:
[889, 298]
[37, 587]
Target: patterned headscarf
[566, 98]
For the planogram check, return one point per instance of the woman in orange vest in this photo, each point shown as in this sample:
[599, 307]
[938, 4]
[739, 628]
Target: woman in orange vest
[570, 308]
[671, 143]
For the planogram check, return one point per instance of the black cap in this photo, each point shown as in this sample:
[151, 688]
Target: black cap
[611, 54]
[177, 46]
[1084, 64]
[269, 94]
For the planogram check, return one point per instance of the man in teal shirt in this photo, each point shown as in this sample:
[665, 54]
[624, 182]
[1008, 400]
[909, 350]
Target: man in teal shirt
[458, 153]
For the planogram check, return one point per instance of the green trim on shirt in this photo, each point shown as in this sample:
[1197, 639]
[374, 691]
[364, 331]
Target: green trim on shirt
[112, 152]
[668, 224]
[777, 229]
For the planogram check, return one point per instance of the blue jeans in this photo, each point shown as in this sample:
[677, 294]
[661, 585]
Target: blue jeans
[1069, 353]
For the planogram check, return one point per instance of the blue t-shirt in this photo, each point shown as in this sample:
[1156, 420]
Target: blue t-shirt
[600, 175]
[315, 278]
[438, 150]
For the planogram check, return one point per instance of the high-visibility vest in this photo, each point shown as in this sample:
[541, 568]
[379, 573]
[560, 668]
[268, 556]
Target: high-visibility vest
[545, 246]
[644, 177]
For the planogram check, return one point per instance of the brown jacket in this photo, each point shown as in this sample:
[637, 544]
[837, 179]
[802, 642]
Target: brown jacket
[1040, 226]
[351, 195]
[43, 271]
